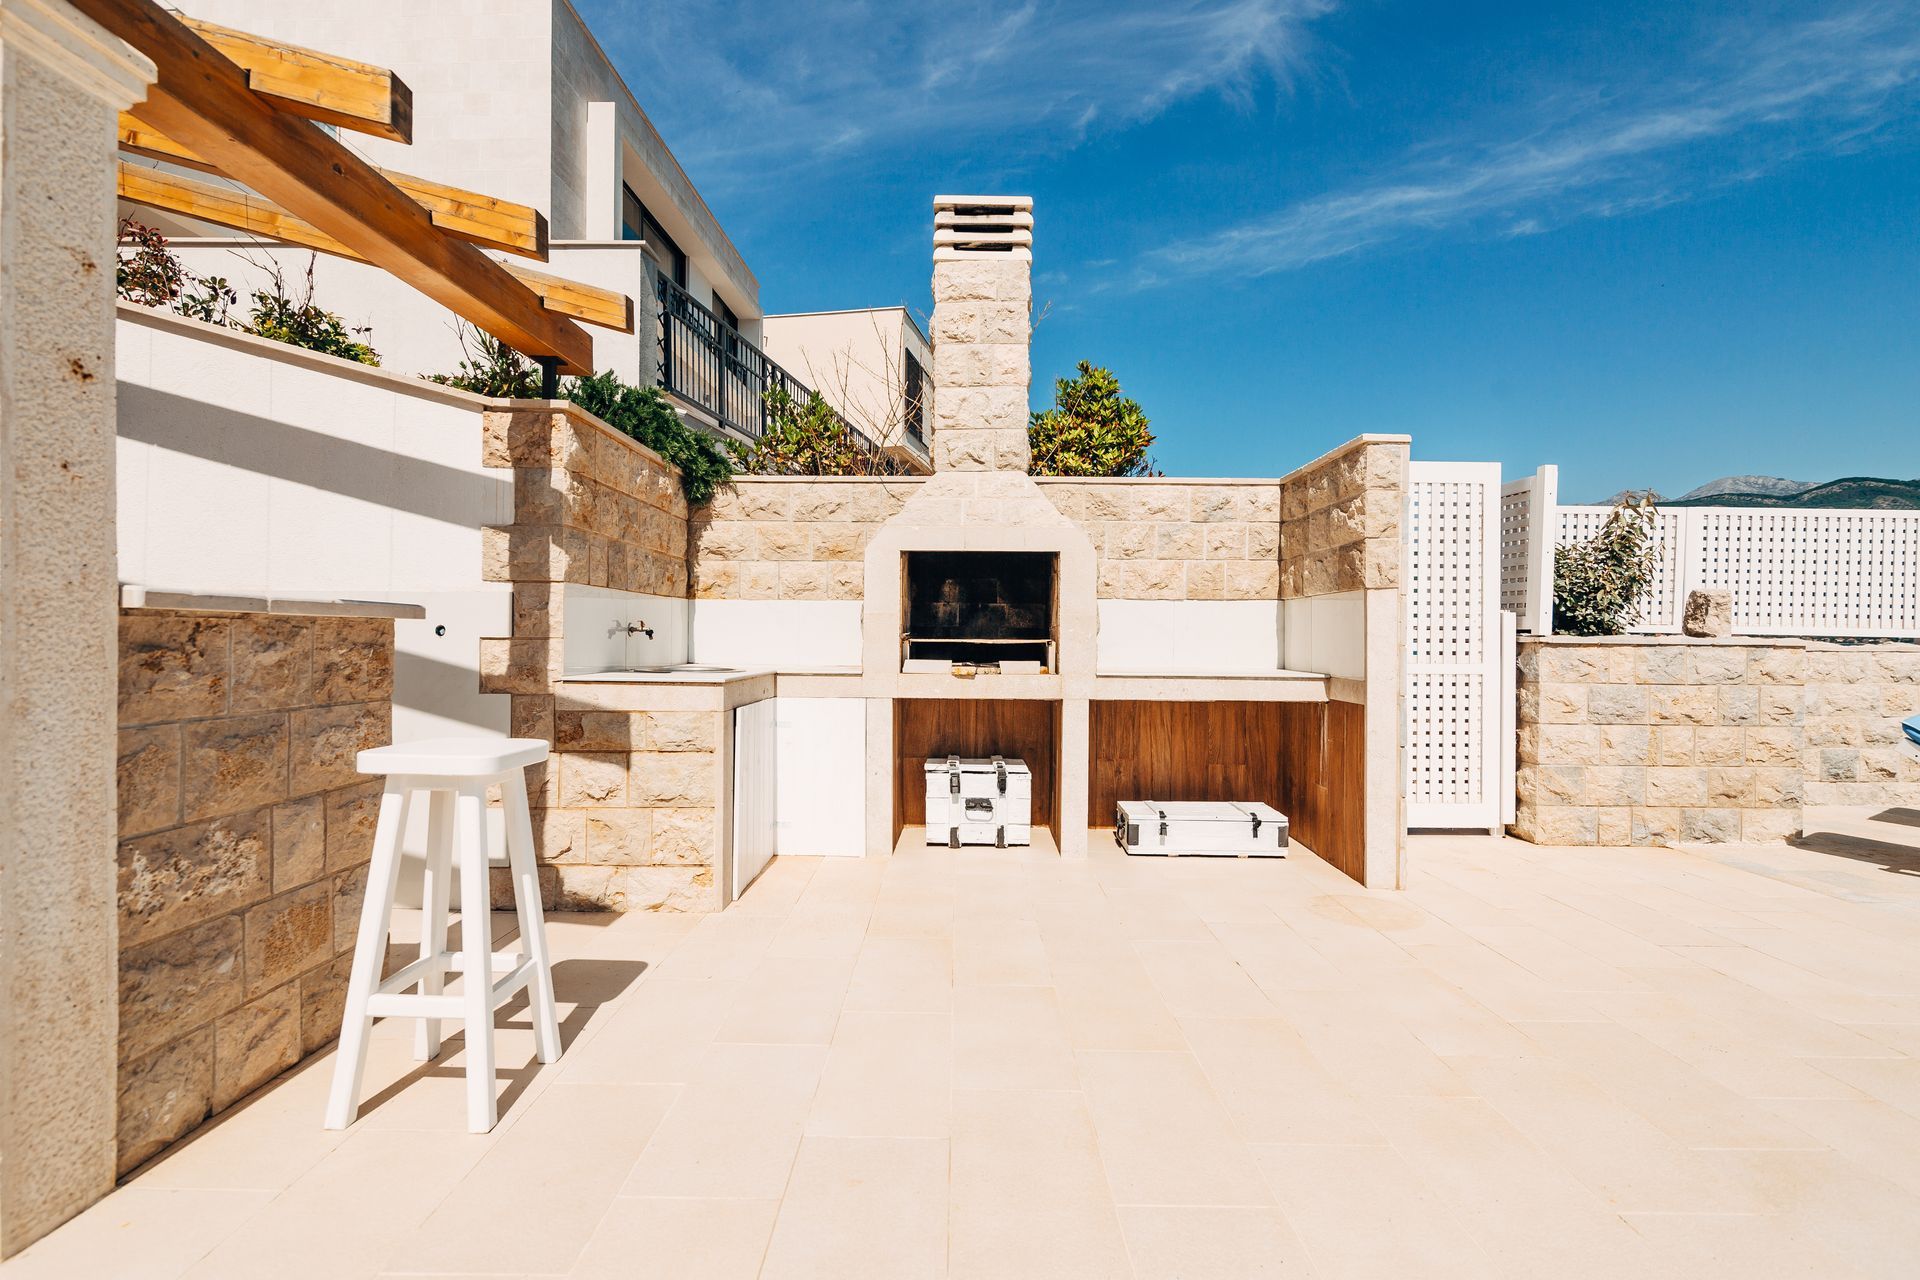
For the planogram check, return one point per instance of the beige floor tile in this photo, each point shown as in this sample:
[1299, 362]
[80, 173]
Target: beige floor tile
[1164, 1136]
[1364, 1215]
[657, 1036]
[1203, 1243]
[733, 1130]
[999, 953]
[1010, 1038]
[1112, 1005]
[788, 1000]
[903, 975]
[1272, 1086]
[1894, 1081]
[540, 1176]
[1200, 980]
[140, 1233]
[888, 1075]
[821, 932]
[1029, 1195]
[1697, 1246]
[863, 1207]
[1370, 1054]
[778, 886]
[267, 1141]
[1632, 1165]
[349, 1215]
[1881, 1139]
[660, 1239]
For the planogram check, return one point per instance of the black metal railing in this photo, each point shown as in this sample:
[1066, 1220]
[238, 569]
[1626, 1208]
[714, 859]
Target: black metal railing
[707, 364]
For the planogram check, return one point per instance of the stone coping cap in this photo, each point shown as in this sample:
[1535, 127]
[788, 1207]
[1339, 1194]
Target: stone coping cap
[135, 596]
[1263, 481]
[1348, 447]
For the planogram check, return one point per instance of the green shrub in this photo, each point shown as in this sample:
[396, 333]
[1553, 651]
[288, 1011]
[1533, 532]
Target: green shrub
[301, 322]
[147, 273]
[807, 438]
[490, 367]
[1597, 583]
[644, 414]
[1091, 430]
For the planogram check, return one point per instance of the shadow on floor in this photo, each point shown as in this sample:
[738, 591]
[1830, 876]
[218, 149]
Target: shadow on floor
[1899, 817]
[1900, 859]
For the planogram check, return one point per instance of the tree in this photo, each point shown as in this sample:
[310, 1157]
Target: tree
[1091, 430]
[1597, 583]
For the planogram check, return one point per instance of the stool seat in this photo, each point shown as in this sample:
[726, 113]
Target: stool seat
[453, 757]
[455, 776]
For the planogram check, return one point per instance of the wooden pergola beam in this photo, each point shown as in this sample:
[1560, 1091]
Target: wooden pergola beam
[225, 207]
[481, 219]
[203, 100]
[336, 91]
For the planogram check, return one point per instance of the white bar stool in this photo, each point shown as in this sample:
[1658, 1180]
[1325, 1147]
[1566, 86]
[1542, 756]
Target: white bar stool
[455, 772]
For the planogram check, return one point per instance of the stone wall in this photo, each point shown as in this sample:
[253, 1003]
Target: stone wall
[1856, 697]
[623, 811]
[1657, 740]
[790, 537]
[244, 837]
[1340, 520]
[1178, 540]
[633, 821]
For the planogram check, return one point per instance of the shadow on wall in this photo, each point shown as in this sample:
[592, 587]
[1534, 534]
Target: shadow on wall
[286, 452]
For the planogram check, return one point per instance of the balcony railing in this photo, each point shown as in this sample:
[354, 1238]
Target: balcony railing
[707, 364]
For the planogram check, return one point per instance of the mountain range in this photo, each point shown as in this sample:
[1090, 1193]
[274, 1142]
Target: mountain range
[1872, 492]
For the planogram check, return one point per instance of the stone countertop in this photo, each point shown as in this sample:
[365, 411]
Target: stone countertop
[730, 675]
[133, 595]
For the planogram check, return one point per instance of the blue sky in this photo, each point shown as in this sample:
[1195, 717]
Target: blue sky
[1655, 243]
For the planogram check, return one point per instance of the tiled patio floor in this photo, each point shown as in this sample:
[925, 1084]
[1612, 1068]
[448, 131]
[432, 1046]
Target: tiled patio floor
[1536, 1062]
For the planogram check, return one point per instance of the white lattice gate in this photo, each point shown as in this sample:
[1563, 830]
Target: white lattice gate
[1458, 678]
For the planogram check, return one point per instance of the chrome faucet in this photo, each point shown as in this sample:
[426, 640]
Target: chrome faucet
[638, 628]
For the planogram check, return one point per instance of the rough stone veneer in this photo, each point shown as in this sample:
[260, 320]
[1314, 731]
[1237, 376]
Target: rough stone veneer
[790, 537]
[981, 370]
[1177, 539]
[1340, 520]
[624, 810]
[1856, 697]
[244, 836]
[1657, 740]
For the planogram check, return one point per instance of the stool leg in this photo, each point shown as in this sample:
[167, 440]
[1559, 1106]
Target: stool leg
[476, 943]
[433, 915]
[369, 956]
[533, 921]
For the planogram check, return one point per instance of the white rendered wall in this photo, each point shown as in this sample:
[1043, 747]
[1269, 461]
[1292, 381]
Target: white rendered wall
[854, 359]
[594, 627]
[249, 467]
[1186, 637]
[1327, 634]
[784, 635]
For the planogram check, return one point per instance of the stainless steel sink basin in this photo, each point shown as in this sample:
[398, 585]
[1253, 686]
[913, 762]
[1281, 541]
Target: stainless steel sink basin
[690, 668]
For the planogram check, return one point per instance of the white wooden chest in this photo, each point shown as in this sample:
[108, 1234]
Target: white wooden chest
[979, 802]
[1214, 828]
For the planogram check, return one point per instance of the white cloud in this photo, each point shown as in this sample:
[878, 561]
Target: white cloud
[747, 90]
[1759, 100]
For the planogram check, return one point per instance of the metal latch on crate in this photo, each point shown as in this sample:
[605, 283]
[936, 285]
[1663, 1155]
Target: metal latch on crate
[953, 775]
[1000, 773]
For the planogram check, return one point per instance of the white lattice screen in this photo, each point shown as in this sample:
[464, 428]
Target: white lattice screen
[1454, 681]
[1526, 548]
[1822, 573]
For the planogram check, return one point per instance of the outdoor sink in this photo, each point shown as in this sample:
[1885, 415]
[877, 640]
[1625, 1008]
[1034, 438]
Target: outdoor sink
[669, 669]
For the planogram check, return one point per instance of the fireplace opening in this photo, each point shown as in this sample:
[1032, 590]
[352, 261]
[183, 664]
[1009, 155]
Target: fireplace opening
[987, 609]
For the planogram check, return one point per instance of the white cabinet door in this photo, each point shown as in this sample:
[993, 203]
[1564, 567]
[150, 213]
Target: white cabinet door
[754, 779]
[820, 776]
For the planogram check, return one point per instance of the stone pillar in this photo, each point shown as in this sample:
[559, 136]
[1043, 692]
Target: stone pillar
[982, 304]
[63, 79]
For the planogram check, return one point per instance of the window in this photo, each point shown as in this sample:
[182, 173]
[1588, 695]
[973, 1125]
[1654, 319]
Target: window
[914, 390]
[725, 313]
[637, 224]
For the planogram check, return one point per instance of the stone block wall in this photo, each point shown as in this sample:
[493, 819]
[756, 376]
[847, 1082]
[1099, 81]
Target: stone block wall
[632, 822]
[1178, 540]
[1856, 697]
[245, 833]
[981, 370]
[623, 811]
[1656, 740]
[1340, 520]
[790, 537]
